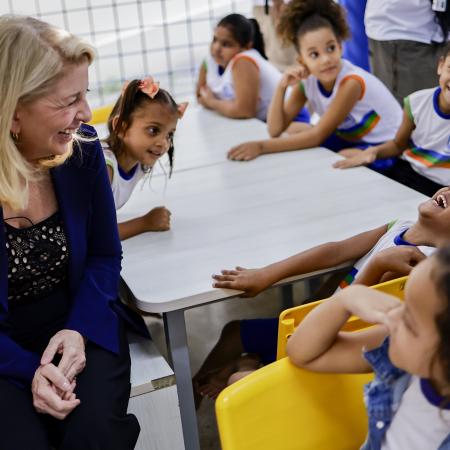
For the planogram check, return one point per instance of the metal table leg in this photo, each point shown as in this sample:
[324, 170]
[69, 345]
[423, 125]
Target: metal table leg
[287, 296]
[175, 330]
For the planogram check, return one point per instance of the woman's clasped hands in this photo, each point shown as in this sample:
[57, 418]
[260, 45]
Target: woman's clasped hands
[53, 386]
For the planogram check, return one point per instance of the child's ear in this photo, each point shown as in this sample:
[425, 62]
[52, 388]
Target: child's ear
[440, 65]
[181, 109]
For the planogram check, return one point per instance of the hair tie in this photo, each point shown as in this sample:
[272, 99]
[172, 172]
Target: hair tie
[181, 108]
[149, 87]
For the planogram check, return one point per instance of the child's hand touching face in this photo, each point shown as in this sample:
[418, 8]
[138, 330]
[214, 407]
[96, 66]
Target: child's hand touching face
[292, 76]
[369, 305]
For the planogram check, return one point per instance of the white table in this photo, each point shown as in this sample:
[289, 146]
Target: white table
[249, 214]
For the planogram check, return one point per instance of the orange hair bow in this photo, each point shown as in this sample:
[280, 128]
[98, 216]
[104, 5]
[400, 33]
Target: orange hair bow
[149, 87]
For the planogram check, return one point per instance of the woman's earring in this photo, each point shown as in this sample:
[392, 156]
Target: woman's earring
[15, 136]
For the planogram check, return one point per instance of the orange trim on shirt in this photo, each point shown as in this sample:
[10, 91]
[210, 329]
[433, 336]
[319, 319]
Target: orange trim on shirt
[357, 78]
[245, 57]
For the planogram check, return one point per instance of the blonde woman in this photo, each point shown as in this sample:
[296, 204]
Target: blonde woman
[64, 362]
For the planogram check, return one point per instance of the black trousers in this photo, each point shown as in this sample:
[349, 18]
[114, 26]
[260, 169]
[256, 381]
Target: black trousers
[100, 422]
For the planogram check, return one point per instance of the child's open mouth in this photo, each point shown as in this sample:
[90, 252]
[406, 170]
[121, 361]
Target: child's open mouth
[441, 201]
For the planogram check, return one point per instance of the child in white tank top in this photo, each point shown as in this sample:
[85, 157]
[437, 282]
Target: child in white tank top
[141, 128]
[356, 110]
[236, 80]
[423, 139]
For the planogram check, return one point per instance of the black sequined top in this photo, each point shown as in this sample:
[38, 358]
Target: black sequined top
[37, 259]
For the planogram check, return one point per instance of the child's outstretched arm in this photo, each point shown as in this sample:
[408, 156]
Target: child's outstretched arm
[281, 113]
[346, 97]
[387, 150]
[318, 344]
[331, 254]
[246, 88]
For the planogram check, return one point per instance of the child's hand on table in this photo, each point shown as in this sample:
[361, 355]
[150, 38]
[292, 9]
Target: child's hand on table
[251, 281]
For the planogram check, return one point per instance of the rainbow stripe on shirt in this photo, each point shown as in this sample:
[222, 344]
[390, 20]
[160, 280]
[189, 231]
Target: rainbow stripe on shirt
[361, 129]
[349, 278]
[428, 158]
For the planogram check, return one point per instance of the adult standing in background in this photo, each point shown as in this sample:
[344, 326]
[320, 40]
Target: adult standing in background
[404, 42]
[267, 14]
[64, 357]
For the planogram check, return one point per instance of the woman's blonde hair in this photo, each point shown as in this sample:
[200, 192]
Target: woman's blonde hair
[32, 58]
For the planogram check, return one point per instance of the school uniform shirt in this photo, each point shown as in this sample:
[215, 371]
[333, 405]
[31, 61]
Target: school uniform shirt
[122, 183]
[221, 81]
[404, 412]
[376, 116]
[392, 237]
[429, 150]
[411, 20]
[419, 422]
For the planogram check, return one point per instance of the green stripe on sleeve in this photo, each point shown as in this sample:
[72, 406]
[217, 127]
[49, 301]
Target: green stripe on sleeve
[407, 107]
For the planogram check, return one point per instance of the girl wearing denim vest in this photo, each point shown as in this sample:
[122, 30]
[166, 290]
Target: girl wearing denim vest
[408, 349]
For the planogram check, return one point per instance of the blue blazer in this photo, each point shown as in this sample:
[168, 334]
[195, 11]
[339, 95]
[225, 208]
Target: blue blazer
[87, 208]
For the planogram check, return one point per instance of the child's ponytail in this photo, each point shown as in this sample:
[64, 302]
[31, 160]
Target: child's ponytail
[302, 16]
[442, 280]
[258, 40]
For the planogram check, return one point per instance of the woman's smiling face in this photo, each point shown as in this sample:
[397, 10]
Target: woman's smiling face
[45, 126]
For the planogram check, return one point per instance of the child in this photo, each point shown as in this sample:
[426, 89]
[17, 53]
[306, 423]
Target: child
[355, 108]
[141, 128]
[236, 80]
[383, 253]
[408, 402]
[422, 139]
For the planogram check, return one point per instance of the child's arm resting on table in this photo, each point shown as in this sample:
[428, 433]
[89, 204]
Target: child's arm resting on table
[318, 344]
[201, 82]
[346, 97]
[389, 149]
[331, 254]
[246, 87]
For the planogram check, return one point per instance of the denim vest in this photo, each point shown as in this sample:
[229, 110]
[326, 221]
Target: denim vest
[383, 396]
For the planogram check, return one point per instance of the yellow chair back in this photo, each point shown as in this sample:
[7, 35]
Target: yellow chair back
[100, 115]
[290, 318]
[283, 407]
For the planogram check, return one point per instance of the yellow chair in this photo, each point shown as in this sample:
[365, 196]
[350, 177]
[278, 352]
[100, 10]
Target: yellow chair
[283, 407]
[100, 115]
[290, 318]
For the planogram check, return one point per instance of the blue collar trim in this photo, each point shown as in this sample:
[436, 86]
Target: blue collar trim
[127, 175]
[432, 396]
[436, 105]
[323, 91]
[398, 240]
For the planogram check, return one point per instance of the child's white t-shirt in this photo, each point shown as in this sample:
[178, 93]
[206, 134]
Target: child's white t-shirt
[429, 150]
[418, 424]
[122, 185]
[223, 87]
[376, 116]
[392, 237]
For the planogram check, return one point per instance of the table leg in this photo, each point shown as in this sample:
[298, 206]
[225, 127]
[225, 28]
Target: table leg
[287, 296]
[175, 330]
